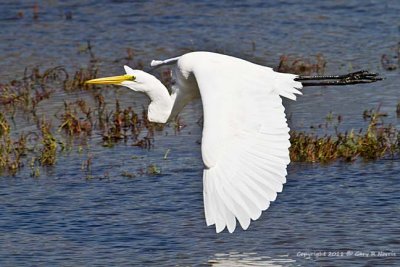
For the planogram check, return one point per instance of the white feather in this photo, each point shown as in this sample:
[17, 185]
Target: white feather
[245, 137]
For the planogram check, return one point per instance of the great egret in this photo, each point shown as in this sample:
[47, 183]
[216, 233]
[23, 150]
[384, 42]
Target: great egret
[245, 143]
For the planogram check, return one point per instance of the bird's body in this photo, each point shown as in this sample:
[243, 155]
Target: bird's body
[245, 143]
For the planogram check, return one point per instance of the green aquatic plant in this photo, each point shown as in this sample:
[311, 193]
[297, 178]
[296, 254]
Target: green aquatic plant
[35, 86]
[11, 150]
[35, 170]
[93, 114]
[128, 175]
[125, 124]
[71, 121]
[79, 77]
[398, 109]
[48, 152]
[78, 119]
[153, 169]
[379, 140]
[4, 126]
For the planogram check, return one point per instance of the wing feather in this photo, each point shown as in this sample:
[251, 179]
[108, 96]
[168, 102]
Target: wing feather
[245, 136]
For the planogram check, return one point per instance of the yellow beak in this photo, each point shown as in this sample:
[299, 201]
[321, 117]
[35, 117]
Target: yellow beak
[112, 80]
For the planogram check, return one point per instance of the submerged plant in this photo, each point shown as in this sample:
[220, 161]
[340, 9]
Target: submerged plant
[153, 169]
[11, 150]
[398, 109]
[48, 151]
[302, 66]
[379, 140]
[391, 62]
[92, 115]
[71, 121]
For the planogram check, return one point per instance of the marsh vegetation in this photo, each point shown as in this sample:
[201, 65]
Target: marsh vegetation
[80, 118]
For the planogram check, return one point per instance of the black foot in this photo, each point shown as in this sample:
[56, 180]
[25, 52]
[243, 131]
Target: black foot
[351, 78]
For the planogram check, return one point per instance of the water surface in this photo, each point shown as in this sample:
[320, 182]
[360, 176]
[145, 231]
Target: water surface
[64, 219]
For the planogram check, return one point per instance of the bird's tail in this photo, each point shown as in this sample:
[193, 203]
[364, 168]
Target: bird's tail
[159, 63]
[287, 85]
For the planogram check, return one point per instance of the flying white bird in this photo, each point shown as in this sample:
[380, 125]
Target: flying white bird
[245, 143]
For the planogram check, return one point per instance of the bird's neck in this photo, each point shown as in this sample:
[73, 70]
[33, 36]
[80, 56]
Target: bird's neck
[164, 106]
[160, 106]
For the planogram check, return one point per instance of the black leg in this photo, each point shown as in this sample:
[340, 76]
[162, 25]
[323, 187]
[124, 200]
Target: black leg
[346, 79]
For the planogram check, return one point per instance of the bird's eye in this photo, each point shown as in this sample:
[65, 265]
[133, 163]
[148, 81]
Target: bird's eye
[130, 77]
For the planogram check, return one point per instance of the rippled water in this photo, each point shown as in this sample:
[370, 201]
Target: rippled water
[63, 219]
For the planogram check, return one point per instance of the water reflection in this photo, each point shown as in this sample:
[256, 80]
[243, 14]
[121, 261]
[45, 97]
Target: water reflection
[233, 259]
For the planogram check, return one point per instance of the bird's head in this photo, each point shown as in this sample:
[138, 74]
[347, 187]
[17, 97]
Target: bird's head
[137, 80]
[140, 81]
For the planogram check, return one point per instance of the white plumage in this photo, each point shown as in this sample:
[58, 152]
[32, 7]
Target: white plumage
[245, 136]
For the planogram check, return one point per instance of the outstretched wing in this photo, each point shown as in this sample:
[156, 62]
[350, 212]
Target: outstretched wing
[245, 137]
